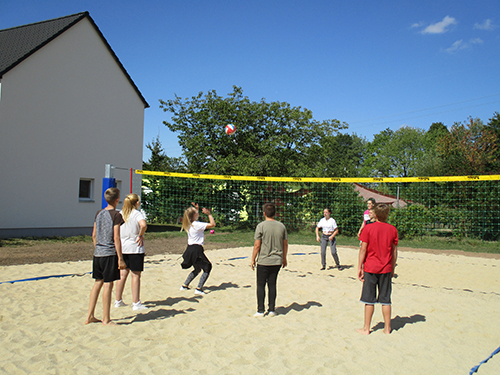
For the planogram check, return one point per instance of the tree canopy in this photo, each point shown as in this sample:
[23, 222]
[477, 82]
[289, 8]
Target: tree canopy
[272, 139]
[469, 148]
[277, 139]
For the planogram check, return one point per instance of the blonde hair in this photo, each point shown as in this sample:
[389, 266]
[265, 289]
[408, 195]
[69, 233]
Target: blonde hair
[188, 218]
[111, 195]
[129, 205]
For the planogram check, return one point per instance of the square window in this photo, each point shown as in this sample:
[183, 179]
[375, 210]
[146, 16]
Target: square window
[86, 192]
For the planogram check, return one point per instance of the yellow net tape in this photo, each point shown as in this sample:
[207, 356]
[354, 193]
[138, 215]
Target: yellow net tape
[324, 179]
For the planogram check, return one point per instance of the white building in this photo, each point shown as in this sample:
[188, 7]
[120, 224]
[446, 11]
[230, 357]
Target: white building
[68, 107]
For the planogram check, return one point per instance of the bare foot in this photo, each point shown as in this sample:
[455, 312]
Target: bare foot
[110, 323]
[363, 331]
[92, 320]
[387, 331]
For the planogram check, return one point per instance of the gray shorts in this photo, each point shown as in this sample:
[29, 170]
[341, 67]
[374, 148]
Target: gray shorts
[374, 281]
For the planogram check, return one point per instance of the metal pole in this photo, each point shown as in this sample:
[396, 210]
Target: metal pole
[131, 176]
[107, 182]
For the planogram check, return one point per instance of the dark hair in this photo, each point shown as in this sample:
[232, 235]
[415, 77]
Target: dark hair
[269, 209]
[382, 211]
[329, 210]
[371, 200]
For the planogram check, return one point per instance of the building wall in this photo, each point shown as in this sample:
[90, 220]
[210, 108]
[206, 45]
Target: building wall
[65, 112]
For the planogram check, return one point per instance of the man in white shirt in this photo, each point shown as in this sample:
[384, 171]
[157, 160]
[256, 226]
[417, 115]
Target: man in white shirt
[330, 230]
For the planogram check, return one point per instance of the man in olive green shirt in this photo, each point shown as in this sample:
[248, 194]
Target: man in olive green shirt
[269, 254]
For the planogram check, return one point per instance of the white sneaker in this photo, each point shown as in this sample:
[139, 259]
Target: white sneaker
[184, 287]
[199, 292]
[271, 313]
[119, 303]
[258, 315]
[138, 306]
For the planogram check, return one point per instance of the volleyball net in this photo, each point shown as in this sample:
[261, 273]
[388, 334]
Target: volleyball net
[459, 206]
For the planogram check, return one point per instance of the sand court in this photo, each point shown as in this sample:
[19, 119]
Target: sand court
[445, 319]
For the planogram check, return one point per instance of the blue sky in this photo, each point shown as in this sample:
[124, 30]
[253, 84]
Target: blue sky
[371, 64]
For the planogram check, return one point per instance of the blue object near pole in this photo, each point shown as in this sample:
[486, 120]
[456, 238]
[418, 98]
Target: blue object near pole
[106, 184]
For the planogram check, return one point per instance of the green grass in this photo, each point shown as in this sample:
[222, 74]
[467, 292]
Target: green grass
[245, 238]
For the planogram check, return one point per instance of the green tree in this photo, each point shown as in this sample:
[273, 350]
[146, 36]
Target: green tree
[469, 148]
[436, 130]
[408, 149]
[377, 162]
[339, 155]
[158, 206]
[272, 139]
[395, 153]
[431, 164]
[494, 126]
[159, 161]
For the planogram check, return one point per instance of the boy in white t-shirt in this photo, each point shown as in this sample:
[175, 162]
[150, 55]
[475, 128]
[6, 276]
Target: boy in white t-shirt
[330, 230]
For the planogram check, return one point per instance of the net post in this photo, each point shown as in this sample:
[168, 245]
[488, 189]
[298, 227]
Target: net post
[131, 177]
[107, 182]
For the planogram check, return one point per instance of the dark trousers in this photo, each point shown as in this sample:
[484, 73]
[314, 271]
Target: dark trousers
[202, 263]
[266, 275]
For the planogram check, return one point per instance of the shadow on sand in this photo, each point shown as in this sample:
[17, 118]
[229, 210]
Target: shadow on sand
[154, 315]
[221, 286]
[297, 307]
[399, 322]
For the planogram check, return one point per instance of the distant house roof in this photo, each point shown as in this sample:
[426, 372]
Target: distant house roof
[379, 197]
[19, 43]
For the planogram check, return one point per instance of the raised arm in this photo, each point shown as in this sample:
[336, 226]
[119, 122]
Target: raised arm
[211, 220]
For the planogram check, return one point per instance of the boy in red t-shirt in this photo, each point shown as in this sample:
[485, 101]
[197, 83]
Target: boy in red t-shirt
[377, 261]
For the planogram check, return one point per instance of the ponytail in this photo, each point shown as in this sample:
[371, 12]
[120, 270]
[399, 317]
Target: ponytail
[129, 205]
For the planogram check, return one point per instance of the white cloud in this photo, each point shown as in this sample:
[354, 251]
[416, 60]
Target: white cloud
[486, 25]
[460, 45]
[440, 27]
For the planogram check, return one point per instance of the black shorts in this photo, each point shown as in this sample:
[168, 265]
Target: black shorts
[134, 262]
[106, 268]
[374, 281]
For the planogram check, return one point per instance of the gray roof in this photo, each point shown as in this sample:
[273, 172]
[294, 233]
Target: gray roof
[18, 43]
